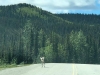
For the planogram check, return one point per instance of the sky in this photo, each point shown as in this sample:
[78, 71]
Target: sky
[61, 6]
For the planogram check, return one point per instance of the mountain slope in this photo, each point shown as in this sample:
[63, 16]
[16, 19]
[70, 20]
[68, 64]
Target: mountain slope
[17, 15]
[88, 19]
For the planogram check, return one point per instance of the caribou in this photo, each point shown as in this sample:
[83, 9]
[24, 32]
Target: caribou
[42, 61]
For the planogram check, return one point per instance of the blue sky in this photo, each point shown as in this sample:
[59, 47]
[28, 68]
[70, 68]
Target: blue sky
[61, 6]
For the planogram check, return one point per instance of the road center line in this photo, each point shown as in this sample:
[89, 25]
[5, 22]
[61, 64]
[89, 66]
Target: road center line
[74, 69]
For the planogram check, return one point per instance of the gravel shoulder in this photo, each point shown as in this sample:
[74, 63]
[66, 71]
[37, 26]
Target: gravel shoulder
[54, 69]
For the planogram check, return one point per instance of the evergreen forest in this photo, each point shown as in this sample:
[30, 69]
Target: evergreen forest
[27, 32]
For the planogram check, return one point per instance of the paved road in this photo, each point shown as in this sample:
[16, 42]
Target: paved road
[54, 69]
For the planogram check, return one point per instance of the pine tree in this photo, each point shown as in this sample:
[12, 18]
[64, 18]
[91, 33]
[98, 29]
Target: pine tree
[78, 41]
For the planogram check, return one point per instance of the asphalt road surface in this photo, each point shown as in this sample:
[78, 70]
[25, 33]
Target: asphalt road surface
[54, 69]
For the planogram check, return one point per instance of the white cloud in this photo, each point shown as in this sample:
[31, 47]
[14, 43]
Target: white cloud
[56, 5]
[84, 2]
[41, 2]
[58, 11]
[62, 3]
[8, 2]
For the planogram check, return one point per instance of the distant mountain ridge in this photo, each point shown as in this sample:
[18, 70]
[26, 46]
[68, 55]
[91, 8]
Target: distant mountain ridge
[81, 18]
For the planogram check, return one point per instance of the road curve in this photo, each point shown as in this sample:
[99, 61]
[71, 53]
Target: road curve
[54, 69]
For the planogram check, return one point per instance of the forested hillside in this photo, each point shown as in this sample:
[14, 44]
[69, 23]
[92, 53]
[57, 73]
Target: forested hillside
[28, 32]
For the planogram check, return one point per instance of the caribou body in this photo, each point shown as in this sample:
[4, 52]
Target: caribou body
[42, 61]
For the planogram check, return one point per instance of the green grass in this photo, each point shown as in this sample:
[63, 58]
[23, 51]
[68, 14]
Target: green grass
[5, 66]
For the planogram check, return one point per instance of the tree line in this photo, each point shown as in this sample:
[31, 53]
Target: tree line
[29, 44]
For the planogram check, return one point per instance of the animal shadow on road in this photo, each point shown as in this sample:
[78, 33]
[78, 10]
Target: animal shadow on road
[45, 67]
